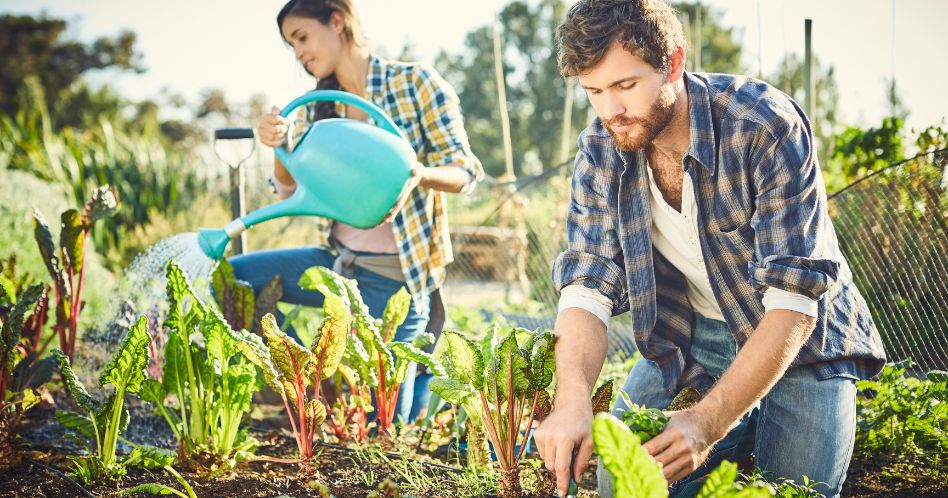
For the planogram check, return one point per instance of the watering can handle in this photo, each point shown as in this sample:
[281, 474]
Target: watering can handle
[377, 114]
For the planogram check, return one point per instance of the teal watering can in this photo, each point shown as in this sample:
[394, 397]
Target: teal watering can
[345, 169]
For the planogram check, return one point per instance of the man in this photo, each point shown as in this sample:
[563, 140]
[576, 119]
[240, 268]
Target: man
[698, 205]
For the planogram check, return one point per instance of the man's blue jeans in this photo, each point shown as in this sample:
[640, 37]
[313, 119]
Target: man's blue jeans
[259, 268]
[802, 427]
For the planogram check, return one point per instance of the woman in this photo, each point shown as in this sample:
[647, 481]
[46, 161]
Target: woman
[411, 247]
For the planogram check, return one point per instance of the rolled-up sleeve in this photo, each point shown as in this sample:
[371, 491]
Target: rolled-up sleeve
[593, 257]
[443, 125]
[790, 223]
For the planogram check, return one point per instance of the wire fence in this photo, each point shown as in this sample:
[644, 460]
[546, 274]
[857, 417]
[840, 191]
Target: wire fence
[891, 226]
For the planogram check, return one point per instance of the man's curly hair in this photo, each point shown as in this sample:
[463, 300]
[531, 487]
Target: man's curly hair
[649, 29]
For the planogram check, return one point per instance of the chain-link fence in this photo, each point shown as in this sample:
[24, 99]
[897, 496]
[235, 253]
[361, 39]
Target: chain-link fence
[891, 226]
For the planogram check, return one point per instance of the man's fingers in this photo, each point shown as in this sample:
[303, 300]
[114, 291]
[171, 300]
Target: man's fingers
[583, 454]
[564, 456]
[658, 443]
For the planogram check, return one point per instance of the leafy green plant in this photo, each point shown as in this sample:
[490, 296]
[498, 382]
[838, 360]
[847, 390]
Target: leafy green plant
[152, 458]
[20, 374]
[374, 360]
[636, 475]
[12, 286]
[903, 416]
[211, 382]
[645, 423]
[66, 265]
[634, 472]
[509, 382]
[104, 422]
[236, 300]
[296, 373]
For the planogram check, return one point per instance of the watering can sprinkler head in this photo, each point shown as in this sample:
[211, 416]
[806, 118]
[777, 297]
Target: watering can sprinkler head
[213, 241]
[346, 170]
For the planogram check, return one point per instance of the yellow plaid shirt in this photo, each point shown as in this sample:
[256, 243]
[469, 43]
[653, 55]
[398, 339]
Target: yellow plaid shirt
[428, 111]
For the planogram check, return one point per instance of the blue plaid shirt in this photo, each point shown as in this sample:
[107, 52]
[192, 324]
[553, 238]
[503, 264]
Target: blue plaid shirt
[762, 222]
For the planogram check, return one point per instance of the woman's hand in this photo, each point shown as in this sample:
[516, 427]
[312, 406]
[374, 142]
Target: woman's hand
[416, 176]
[272, 128]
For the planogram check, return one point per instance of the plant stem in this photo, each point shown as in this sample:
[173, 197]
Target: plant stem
[183, 483]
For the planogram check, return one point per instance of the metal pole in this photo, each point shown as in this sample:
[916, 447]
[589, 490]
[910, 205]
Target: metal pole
[502, 97]
[238, 205]
[808, 87]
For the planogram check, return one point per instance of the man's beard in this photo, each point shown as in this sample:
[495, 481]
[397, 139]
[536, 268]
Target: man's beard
[644, 130]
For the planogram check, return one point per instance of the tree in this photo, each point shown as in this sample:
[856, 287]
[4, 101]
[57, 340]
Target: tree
[535, 89]
[33, 47]
[720, 51]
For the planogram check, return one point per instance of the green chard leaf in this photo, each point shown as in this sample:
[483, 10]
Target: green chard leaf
[396, 310]
[634, 473]
[153, 392]
[451, 390]
[44, 239]
[423, 339]
[151, 457]
[463, 360]
[330, 342]
[542, 360]
[254, 349]
[509, 364]
[405, 353]
[288, 357]
[105, 413]
[126, 369]
[73, 385]
[175, 370]
[72, 239]
[721, 484]
[77, 422]
[151, 488]
[13, 325]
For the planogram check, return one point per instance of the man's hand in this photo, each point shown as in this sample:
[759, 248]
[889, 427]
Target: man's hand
[684, 444]
[566, 430]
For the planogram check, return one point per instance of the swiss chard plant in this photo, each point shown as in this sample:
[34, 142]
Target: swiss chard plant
[506, 382]
[66, 264]
[296, 372]
[210, 382]
[33, 339]
[236, 300]
[636, 475]
[152, 458]
[373, 358]
[104, 422]
[20, 373]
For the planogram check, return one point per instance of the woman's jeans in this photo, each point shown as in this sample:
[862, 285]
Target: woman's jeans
[803, 427]
[259, 268]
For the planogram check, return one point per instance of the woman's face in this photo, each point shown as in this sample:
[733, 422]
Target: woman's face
[317, 46]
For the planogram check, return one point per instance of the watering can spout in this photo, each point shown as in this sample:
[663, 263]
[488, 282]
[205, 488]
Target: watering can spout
[213, 241]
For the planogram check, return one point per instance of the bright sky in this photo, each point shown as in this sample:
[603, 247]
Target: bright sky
[234, 45]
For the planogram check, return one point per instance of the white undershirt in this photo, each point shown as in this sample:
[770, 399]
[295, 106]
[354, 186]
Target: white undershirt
[675, 236]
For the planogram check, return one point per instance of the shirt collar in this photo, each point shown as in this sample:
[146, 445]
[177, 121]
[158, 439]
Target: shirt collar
[703, 140]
